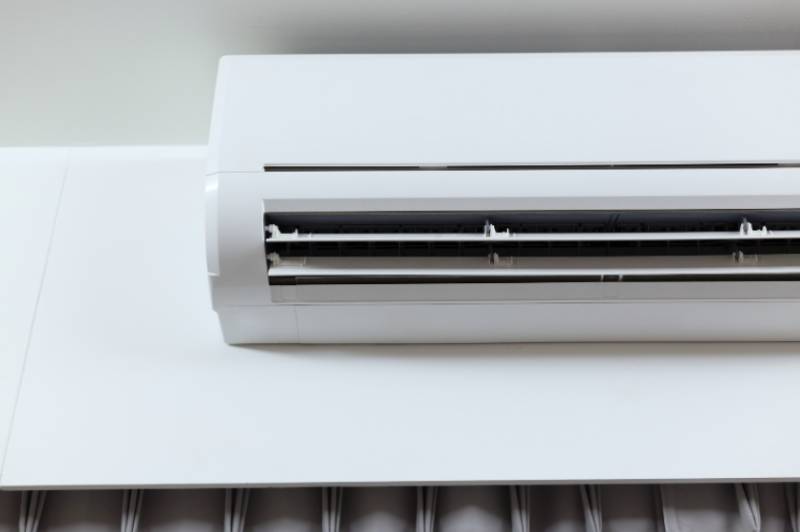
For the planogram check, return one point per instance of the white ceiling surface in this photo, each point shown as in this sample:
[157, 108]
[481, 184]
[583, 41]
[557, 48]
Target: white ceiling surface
[99, 72]
[127, 380]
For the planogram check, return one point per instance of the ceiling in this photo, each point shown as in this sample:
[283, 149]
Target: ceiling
[90, 72]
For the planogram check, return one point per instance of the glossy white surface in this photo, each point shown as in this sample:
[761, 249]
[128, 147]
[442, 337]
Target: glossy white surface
[30, 184]
[128, 380]
[98, 72]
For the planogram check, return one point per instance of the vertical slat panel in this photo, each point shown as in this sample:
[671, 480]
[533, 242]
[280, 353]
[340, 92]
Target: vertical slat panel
[702, 508]
[473, 509]
[427, 500]
[9, 511]
[520, 508]
[331, 509]
[592, 509]
[284, 510]
[30, 510]
[749, 506]
[614, 508]
[775, 514]
[183, 511]
[131, 510]
[793, 504]
[377, 509]
[556, 509]
[236, 501]
[81, 511]
[630, 508]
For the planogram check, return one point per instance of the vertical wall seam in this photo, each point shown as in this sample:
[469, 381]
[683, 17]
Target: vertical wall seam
[31, 326]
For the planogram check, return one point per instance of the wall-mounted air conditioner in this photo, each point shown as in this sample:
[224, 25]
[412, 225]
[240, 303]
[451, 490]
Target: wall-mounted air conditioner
[506, 197]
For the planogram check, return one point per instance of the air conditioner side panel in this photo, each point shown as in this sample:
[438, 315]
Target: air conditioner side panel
[235, 255]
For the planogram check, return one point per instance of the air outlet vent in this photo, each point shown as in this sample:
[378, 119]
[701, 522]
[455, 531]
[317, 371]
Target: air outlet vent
[351, 248]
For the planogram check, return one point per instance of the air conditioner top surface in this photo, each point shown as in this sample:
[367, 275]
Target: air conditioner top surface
[506, 109]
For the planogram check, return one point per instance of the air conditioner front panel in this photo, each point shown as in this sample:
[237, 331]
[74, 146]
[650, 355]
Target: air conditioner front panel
[509, 321]
[503, 109]
[534, 293]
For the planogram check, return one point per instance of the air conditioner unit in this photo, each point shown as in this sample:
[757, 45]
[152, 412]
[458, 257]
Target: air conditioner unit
[506, 197]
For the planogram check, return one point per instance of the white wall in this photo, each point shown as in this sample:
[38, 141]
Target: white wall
[124, 72]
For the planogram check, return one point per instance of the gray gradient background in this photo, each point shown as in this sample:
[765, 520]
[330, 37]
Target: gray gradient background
[85, 72]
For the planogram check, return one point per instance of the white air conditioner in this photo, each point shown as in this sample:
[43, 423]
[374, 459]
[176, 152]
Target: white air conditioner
[506, 197]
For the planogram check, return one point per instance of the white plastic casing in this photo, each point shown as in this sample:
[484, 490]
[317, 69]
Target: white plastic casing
[600, 109]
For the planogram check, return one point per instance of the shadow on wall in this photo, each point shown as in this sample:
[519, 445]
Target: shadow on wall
[509, 26]
[572, 352]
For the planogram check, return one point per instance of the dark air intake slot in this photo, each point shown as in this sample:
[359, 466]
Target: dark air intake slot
[533, 234]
